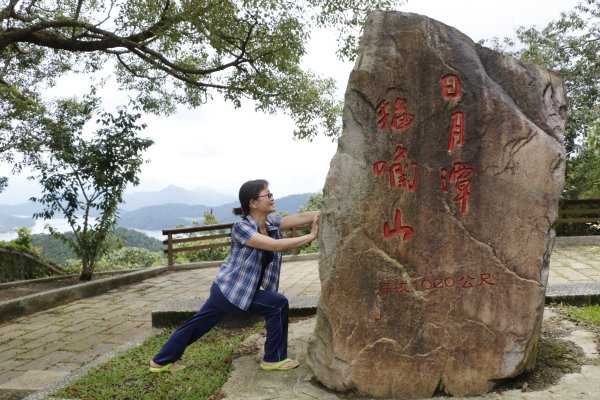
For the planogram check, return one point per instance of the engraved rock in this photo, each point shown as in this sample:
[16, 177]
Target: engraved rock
[437, 221]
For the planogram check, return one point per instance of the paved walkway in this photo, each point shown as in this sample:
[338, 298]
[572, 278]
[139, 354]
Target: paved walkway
[42, 348]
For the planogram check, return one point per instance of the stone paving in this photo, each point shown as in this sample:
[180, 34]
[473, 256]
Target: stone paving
[53, 343]
[41, 348]
[578, 263]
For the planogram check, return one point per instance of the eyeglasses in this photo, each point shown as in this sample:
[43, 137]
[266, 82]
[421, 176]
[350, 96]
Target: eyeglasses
[269, 195]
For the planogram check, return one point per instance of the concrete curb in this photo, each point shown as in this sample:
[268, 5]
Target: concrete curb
[578, 240]
[574, 294]
[177, 311]
[14, 284]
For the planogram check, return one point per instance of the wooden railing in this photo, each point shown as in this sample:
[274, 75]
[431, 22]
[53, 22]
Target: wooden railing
[576, 216]
[579, 211]
[571, 212]
[218, 235]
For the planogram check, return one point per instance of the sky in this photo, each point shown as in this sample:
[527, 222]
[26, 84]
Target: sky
[219, 147]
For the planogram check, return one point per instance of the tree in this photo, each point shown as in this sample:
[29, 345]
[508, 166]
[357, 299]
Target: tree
[85, 178]
[165, 53]
[570, 45]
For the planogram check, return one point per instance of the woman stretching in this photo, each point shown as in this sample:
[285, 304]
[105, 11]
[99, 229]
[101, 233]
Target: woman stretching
[248, 280]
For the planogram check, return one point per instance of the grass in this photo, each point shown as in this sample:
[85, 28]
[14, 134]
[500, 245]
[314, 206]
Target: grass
[589, 314]
[208, 364]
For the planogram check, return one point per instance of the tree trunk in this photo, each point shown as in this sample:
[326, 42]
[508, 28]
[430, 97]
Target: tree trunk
[86, 272]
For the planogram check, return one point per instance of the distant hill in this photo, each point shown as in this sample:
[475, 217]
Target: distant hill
[167, 216]
[8, 223]
[57, 251]
[175, 194]
[162, 216]
[156, 216]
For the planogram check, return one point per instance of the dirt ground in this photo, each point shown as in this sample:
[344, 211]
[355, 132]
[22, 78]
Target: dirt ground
[556, 356]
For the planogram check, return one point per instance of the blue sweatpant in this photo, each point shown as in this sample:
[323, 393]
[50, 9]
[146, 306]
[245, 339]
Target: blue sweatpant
[272, 305]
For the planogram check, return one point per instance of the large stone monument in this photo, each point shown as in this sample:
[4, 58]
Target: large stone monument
[437, 221]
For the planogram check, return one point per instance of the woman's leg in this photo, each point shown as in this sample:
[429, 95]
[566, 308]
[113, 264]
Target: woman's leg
[274, 307]
[194, 328]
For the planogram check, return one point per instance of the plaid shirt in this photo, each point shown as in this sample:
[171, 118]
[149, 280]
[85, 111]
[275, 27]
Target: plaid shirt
[239, 275]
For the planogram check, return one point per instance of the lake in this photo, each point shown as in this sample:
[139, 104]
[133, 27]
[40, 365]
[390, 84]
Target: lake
[62, 226]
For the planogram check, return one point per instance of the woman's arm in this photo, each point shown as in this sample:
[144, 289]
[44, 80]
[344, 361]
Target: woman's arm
[263, 242]
[289, 221]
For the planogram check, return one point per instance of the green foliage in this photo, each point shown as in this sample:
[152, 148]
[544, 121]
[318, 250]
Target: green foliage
[23, 243]
[53, 248]
[570, 45]
[130, 258]
[23, 239]
[82, 176]
[167, 53]
[589, 314]
[314, 203]
[126, 376]
[56, 250]
[133, 238]
[583, 174]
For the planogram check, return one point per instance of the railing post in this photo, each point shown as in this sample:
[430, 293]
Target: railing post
[170, 250]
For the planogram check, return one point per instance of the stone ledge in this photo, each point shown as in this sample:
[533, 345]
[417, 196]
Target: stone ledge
[29, 304]
[577, 240]
[574, 294]
[175, 312]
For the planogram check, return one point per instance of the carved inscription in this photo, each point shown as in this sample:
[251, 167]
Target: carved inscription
[404, 174]
[451, 87]
[399, 173]
[457, 131]
[423, 284]
[398, 230]
[400, 120]
[460, 176]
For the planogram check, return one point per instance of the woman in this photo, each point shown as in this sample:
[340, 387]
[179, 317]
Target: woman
[248, 280]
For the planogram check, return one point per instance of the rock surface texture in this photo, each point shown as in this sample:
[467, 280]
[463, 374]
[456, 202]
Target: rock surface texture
[437, 221]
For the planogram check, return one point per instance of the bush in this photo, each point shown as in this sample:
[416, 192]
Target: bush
[129, 258]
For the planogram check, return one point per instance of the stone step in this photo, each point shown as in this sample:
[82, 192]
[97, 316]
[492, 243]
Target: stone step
[575, 294]
[176, 311]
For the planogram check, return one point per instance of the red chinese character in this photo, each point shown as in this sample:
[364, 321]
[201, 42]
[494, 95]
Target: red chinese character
[460, 176]
[467, 281]
[382, 114]
[379, 167]
[451, 87]
[399, 173]
[401, 120]
[485, 278]
[457, 130]
[401, 287]
[399, 176]
[400, 153]
[406, 231]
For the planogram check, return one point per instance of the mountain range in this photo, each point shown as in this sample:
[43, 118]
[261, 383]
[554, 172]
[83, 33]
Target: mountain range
[175, 194]
[159, 210]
